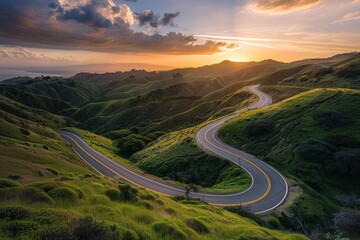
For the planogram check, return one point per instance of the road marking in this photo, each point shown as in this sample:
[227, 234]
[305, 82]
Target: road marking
[116, 173]
[259, 104]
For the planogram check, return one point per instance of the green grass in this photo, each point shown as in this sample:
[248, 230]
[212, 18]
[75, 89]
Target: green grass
[158, 162]
[176, 156]
[24, 217]
[293, 121]
[53, 194]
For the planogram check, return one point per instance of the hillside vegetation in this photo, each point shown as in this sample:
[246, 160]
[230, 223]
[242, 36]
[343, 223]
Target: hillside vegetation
[48, 192]
[312, 137]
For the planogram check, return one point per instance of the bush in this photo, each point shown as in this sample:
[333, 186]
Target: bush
[259, 128]
[14, 213]
[342, 140]
[64, 194]
[119, 134]
[113, 194]
[273, 223]
[315, 150]
[197, 225]
[331, 119]
[344, 162]
[169, 230]
[5, 183]
[348, 219]
[147, 196]
[155, 135]
[130, 146]
[128, 193]
[57, 232]
[87, 228]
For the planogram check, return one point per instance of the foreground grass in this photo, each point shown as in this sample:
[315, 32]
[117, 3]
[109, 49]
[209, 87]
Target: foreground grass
[81, 208]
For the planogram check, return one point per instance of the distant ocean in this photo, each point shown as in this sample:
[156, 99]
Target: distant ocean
[11, 73]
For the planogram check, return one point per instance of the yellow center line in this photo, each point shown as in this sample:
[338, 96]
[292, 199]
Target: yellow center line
[117, 174]
[247, 160]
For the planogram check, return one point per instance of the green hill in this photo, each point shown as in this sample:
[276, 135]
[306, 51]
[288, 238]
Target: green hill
[48, 192]
[312, 137]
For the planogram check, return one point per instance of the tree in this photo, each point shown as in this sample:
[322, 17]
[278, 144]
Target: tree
[128, 193]
[190, 187]
[130, 146]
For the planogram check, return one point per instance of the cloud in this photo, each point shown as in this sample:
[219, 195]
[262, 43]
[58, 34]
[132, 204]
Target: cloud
[95, 25]
[25, 54]
[349, 17]
[168, 19]
[148, 18]
[281, 6]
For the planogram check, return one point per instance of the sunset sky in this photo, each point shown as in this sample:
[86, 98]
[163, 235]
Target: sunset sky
[172, 32]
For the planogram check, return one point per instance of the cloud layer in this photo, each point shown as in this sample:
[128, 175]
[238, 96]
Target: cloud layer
[281, 6]
[96, 25]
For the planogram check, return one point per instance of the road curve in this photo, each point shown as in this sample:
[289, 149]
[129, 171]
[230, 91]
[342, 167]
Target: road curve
[267, 191]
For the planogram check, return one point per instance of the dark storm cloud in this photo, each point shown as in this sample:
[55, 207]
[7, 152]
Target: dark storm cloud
[148, 18]
[86, 14]
[168, 19]
[95, 25]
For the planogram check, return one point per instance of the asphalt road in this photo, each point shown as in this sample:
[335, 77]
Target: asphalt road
[267, 191]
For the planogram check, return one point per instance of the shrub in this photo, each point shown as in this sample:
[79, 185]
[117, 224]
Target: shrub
[342, 140]
[41, 197]
[14, 213]
[19, 227]
[169, 230]
[87, 228]
[331, 119]
[32, 194]
[132, 145]
[128, 193]
[113, 194]
[273, 223]
[5, 183]
[147, 196]
[57, 232]
[348, 219]
[155, 135]
[119, 134]
[142, 218]
[315, 150]
[197, 225]
[259, 128]
[64, 194]
[145, 204]
[99, 199]
[344, 162]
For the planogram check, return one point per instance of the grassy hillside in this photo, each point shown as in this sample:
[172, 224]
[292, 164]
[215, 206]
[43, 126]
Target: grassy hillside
[176, 156]
[56, 91]
[48, 192]
[312, 137]
[340, 72]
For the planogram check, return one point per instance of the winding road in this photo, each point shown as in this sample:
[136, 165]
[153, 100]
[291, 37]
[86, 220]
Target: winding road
[268, 188]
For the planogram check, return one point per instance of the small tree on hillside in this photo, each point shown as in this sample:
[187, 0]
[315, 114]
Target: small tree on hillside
[190, 187]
